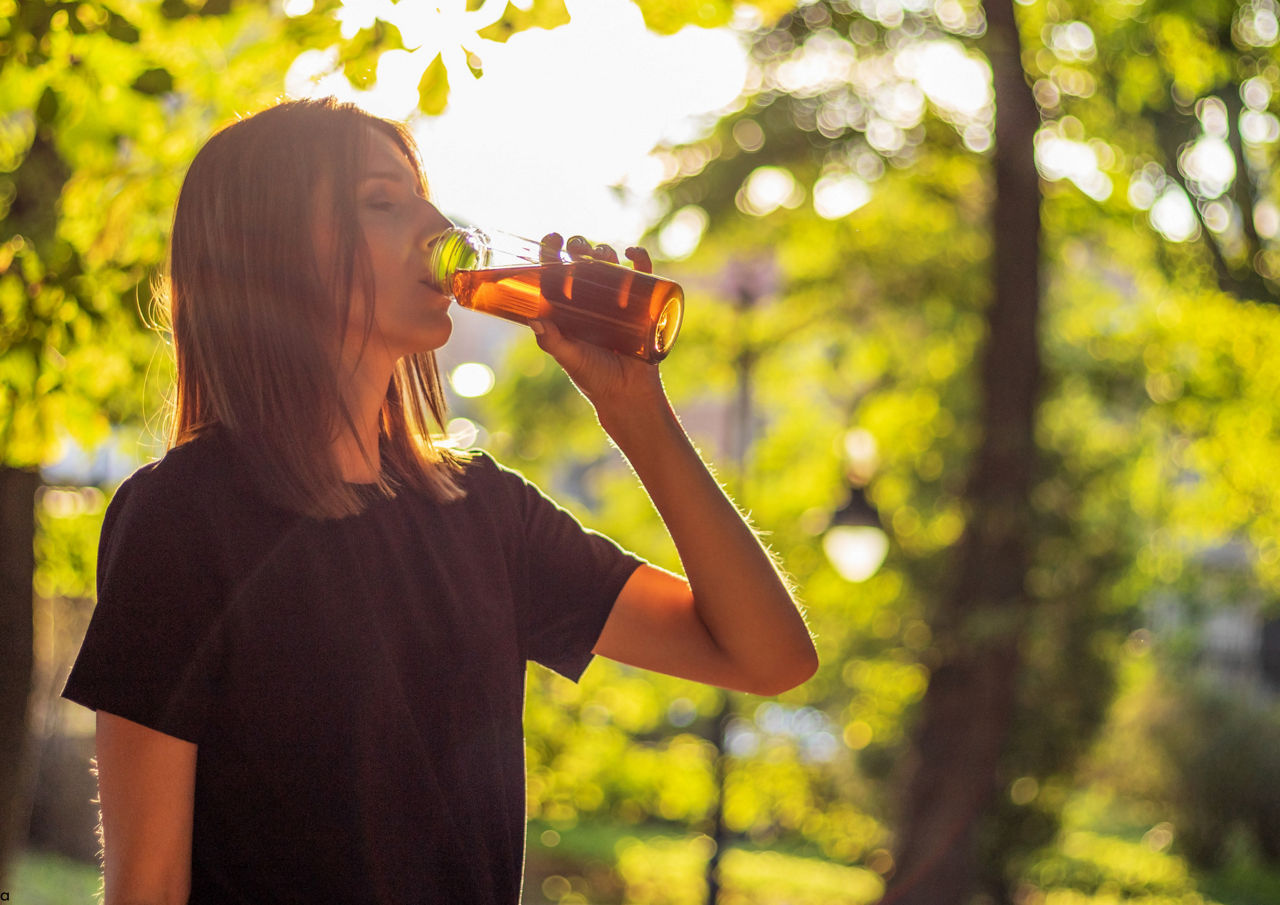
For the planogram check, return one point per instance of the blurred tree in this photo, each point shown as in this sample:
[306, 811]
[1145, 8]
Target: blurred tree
[1184, 93]
[867, 107]
[978, 622]
[981, 620]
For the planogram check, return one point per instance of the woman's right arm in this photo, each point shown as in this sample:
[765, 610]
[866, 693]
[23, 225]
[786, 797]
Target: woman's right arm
[146, 786]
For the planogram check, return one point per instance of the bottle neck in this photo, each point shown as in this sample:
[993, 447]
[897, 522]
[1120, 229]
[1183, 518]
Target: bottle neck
[453, 250]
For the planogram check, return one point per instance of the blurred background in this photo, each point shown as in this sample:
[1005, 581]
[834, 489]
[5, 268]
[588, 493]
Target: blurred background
[981, 331]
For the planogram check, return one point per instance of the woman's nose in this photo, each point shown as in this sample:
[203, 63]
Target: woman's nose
[433, 220]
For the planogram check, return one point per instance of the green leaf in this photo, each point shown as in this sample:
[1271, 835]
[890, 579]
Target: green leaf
[215, 7]
[540, 14]
[47, 108]
[359, 56]
[666, 17]
[433, 89]
[153, 81]
[180, 9]
[121, 29]
[174, 9]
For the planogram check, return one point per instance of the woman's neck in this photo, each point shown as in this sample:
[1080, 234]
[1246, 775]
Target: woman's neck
[357, 453]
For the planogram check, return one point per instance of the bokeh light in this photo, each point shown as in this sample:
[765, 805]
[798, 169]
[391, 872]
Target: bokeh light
[471, 379]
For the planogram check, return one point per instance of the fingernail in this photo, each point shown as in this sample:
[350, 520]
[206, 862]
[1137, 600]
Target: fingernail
[537, 327]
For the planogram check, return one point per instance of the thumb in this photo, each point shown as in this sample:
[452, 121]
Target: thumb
[549, 338]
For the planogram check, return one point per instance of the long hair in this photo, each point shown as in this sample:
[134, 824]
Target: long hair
[254, 313]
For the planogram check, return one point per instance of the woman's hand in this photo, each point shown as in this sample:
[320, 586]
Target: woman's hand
[613, 383]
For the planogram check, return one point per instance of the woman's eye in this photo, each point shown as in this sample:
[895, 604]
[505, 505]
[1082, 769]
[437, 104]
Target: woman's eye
[380, 204]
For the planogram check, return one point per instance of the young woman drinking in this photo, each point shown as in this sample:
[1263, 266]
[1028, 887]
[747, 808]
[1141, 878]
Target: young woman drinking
[309, 649]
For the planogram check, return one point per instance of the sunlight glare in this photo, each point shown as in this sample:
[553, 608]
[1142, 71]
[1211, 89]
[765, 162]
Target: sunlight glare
[1259, 127]
[355, 15]
[1060, 158]
[767, 189]
[682, 233]
[1266, 219]
[953, 80]
[1256, 93]
[839, 195]
[312, 74]
[532, 156]
[472, 378]
[1172, 216]
[1210, 164]
[462, 433]
[825, 61]
[549, 137]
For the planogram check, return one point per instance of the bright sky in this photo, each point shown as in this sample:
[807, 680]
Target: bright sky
[558, 117]
[562, 117]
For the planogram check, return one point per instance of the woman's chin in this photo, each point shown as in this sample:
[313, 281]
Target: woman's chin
[436, 334]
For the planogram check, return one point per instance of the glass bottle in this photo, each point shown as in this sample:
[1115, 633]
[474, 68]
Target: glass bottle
[610, 305]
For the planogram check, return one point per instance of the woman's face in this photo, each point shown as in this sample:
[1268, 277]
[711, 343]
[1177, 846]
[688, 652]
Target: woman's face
[396, 223]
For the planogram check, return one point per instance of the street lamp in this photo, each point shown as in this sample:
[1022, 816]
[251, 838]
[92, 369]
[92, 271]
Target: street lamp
[747, 281]
[855, 543]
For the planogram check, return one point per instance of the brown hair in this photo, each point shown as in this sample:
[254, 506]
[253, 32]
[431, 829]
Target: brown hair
[254, 313]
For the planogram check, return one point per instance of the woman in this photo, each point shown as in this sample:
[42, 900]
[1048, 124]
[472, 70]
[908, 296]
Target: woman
[308, 653]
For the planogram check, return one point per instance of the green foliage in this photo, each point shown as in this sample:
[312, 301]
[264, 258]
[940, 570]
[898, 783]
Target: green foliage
[41, 879]
[538, 14]
[666, 17]
[1100, 865]
[1152, 86]
[1153, 433]
[671, 872]
[1218, 788]
[433, 88]
[102, 110]
[359, 56]
[68, 522]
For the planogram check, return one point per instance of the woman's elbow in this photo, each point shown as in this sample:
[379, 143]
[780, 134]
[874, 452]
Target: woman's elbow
[784, 676]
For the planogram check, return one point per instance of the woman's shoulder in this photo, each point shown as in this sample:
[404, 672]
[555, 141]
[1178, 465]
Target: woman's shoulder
[489, 484]
[483, 471]
[184, 470]
[185, 487]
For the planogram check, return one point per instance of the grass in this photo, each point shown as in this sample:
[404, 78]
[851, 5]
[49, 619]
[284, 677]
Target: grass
[39, 878]
[613, 865]
[604, 864]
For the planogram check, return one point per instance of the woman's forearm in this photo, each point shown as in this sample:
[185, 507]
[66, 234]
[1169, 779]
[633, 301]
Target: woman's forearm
[739, 594]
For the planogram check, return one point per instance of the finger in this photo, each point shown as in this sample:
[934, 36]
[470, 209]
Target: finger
[548, 337]
[549, 249]
[578, 247]
[640, 259]
[605, 253]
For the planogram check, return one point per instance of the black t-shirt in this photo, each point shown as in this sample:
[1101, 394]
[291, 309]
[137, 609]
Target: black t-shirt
[355, 685]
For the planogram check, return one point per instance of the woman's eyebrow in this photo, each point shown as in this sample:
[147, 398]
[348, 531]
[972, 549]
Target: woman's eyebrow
[387, 176]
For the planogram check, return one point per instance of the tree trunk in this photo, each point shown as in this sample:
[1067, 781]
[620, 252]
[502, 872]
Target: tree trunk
[17, 565]
[966, 712]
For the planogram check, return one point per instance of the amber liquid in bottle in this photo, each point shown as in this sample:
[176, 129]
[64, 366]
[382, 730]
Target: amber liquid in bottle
[609, 305]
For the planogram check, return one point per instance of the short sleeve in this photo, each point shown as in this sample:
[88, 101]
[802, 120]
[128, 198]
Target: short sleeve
[151, 648]
[573, 575]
